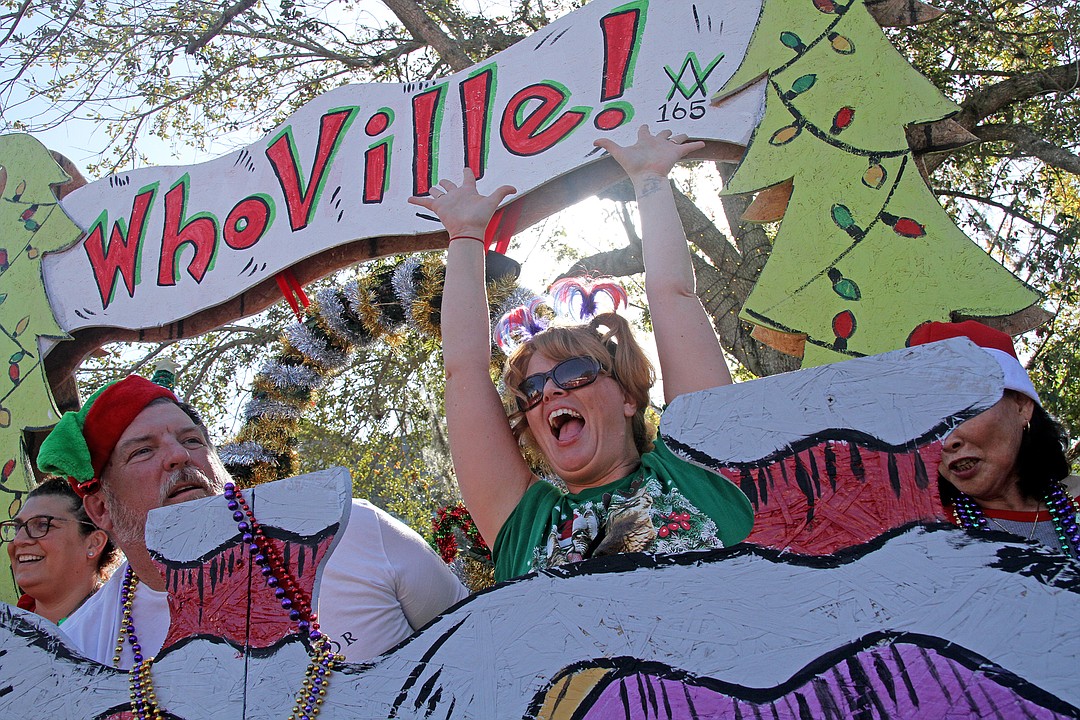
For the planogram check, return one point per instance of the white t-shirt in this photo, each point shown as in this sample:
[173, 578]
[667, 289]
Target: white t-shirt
[381, 583]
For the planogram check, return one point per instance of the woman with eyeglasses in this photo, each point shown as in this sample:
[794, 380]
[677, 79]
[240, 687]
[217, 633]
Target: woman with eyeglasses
[581, 394]
[59, 558]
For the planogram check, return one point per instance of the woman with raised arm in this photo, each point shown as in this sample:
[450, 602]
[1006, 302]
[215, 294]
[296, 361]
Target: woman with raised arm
[581, 394]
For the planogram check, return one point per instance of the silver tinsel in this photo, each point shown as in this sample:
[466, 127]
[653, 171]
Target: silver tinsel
[518, 296]
[403, 280]
[245, 454]
[291, 376]
[260, 407]
[332, 311]
[351, 291]
[552, 479]
[362, 302]
[314, 348]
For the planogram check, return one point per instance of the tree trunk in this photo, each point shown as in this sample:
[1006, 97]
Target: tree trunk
[422, 27]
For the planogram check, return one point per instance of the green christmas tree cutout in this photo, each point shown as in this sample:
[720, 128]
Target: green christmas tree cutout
[31, 224]
[865, 252]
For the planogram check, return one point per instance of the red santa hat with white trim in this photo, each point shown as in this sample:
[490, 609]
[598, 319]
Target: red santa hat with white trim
[996, 343]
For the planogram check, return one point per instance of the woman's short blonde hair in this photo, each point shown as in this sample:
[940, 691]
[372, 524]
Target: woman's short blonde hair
[608, 338]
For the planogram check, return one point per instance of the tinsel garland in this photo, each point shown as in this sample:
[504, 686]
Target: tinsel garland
[425, 306]
[473, 561]
[376, 308]
[444, 528]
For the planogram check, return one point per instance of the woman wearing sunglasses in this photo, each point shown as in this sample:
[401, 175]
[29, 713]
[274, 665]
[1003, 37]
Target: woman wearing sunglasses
[59, 558]
[582, 392]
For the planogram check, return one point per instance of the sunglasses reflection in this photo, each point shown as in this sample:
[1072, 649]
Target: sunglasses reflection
[569, 374]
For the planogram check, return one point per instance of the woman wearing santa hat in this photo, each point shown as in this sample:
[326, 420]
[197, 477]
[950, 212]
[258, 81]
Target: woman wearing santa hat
[1006, 469]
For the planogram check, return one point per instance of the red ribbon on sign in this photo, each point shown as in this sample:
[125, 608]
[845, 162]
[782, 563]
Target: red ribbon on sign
[502, 226]
[293, 292]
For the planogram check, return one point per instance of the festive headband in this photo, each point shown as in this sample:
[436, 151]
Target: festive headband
[574, 299]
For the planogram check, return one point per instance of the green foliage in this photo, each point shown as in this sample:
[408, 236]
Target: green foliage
[384, 420]
[1008, 64]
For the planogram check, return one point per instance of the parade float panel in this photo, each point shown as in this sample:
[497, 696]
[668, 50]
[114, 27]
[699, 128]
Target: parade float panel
[923, 621]
[212, 569]
[836, 455]
[31, 224]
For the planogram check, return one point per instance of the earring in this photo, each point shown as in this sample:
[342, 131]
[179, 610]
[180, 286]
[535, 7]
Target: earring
[90, 554]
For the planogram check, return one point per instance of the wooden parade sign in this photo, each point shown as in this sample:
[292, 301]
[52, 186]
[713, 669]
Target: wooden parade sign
[166, 243]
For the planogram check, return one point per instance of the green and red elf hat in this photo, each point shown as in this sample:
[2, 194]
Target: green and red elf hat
[80, 445]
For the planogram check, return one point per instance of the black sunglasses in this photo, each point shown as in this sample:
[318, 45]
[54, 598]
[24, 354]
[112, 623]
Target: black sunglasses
[571, 373]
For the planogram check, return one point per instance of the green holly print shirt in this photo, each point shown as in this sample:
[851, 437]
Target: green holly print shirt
[667, 505]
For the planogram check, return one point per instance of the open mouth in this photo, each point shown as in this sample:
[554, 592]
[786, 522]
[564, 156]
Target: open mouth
[963, 465]
[565, 423]
[28, 558]
[187, 485]
[186, 488]
[183, 482]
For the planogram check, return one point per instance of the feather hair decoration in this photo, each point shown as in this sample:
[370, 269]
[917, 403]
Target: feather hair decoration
[584, 298]
[519, 325]
[573, 299]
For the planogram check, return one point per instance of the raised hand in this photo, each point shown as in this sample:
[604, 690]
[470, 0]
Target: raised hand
[462, 209]
[652, 155]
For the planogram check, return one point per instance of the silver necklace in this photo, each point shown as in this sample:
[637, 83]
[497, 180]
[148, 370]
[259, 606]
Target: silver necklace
[1034, 524]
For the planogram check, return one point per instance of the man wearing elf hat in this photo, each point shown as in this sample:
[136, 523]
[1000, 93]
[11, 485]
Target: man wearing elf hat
[134, 447]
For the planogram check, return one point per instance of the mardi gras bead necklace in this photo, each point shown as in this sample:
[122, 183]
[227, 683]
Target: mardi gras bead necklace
[1063, 513]
[286, 589]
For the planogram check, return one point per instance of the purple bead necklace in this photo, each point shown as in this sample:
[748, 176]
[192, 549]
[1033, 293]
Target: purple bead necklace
[1063, 513]
[294, 601]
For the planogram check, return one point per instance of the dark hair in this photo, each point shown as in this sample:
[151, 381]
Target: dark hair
[1040, 460]
[59, 487]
